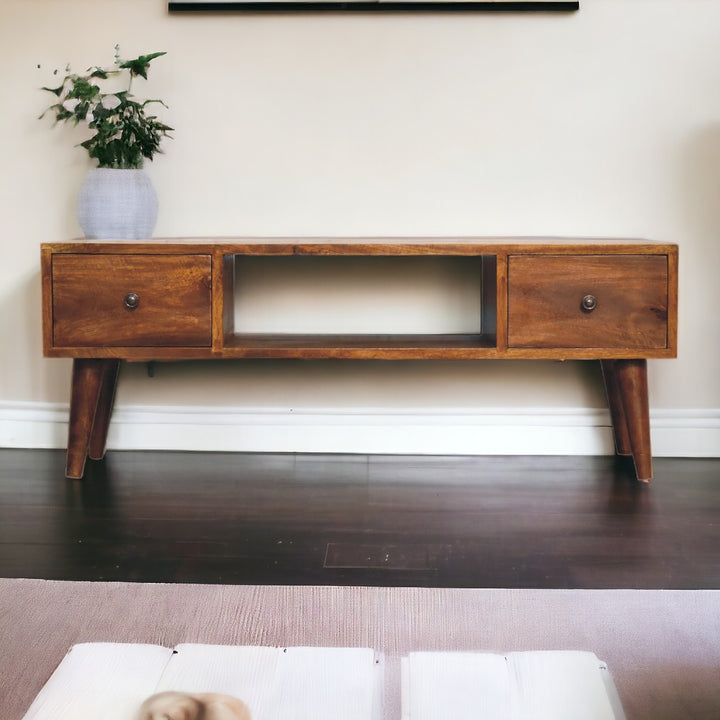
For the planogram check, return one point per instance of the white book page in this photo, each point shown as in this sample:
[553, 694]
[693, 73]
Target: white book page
[458, 686]
[324, 684]
[100, 680]
[561, 685]
[247, 673]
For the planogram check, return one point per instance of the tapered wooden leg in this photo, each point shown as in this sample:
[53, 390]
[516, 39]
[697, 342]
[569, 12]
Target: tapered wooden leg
[617, 408]
[106, 398]
[632, 381]
[87, 381]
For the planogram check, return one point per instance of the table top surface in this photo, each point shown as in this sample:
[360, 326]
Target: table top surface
[458, 245]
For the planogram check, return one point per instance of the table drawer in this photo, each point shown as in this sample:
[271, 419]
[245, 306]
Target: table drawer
[588, 301]
[131, 300]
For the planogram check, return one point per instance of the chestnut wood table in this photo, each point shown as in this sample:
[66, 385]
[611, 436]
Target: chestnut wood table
[173, 299]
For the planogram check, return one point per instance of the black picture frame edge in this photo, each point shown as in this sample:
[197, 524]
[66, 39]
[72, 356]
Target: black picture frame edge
[374, 6]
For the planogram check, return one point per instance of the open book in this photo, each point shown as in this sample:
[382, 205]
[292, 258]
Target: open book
[555, 685]
[112, 680]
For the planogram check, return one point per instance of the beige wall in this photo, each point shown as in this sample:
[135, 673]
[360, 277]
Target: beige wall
[604, 122]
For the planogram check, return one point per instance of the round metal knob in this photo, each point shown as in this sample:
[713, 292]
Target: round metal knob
[589, 303]
[132, 300]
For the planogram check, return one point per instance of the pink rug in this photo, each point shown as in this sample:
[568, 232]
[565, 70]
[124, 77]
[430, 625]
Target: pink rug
[662, 647]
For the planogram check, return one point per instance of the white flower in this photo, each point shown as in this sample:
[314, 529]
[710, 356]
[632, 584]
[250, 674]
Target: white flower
[110, 102]
[89, 117]
[71, 104]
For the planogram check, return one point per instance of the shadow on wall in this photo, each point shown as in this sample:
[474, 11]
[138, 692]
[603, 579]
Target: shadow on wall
[699, 184]
[366, 384]
[23, 349]
[698, 192]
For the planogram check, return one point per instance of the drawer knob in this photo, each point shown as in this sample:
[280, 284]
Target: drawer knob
[589, 303]
[132, 300]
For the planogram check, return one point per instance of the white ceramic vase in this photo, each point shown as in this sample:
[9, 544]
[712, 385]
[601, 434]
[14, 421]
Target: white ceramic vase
[119, 204]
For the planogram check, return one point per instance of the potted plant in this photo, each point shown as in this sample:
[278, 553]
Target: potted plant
[117, 199]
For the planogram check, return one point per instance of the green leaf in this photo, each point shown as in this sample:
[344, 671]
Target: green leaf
[140, 65]
[154, 101]
[83, 89]
[57, 91]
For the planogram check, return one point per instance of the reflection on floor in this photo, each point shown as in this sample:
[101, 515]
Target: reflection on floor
[544, 522]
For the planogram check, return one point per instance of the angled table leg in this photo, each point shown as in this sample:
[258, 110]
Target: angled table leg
[632, 382]
[617, 408]
[106, 398]
[89, 377]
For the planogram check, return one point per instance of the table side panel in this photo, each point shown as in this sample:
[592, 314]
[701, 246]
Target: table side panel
[673, 263]
[47, 299]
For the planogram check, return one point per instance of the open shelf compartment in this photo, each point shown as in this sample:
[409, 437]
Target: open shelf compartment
[482, 342]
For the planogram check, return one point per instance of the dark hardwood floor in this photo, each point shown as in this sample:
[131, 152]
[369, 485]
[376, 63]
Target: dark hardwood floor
[543, 522]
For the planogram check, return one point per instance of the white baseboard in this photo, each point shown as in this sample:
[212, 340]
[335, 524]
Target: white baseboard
[480, 431]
